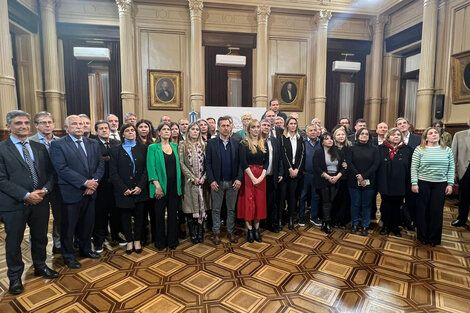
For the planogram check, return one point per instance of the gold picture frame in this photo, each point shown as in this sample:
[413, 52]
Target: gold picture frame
[165, 90]
[461, 77]
[289, 89]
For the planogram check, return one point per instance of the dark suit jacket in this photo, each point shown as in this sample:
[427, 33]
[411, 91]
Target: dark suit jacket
[105, 153]
[414, 141]
[122, 175]
[71, 170]
[287, 154]
[214, 164]
[278, 165]
[15, 181]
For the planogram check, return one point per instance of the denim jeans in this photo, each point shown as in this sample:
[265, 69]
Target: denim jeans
[361, 198]
[308, 185]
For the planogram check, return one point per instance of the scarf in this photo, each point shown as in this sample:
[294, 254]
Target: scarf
[127, 145]
[392, 150]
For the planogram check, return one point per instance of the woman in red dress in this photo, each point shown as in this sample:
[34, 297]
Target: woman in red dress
[254, 161]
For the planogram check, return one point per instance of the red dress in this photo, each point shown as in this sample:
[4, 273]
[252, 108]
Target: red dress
[251, 198]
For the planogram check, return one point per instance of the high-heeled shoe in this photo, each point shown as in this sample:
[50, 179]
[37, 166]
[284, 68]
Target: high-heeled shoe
[139, 250]
[249, 236]
[257, 235]
[129, 251]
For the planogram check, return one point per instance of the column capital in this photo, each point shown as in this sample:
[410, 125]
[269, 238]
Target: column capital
[322, 18]
[378, 22]
[262, 13]
[429, 2]
[195, 7]
[125, 6]
[49, 4]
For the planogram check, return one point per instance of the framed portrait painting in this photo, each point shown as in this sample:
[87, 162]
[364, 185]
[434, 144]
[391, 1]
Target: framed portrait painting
[461, 77]
[290, 90]
[165, 90]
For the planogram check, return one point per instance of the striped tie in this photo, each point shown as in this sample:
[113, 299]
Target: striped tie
[29, 160]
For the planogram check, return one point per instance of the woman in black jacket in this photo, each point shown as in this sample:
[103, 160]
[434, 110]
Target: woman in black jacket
[128, 173]
[293, 154]
[328, 166]
[393, 179]
[362, 163]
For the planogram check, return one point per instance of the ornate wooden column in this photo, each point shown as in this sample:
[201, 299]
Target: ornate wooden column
[128, 64]
[373, 104]
[427, 65]
[7, 76]
[196, 96]
[261, 82]
[319, 98]
[51, 61]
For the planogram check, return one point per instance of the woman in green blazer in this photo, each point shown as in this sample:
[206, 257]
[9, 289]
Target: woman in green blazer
[163, 166]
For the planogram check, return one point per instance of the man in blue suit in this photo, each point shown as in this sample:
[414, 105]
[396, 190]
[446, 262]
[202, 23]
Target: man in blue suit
[224, 176]
[79, 168]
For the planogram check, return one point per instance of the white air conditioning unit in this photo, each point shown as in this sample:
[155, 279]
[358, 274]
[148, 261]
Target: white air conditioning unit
[230, 60]
[92, 54]
[346, 66]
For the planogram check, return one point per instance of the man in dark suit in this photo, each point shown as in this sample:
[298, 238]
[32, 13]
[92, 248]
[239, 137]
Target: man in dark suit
[288, 92]
[381, 130]
[26, 177]
[224, 176]
[44, 122]
[274, 174]
[105, 210]
[164, 93]
[411, 139]
[79, 166]
[360, 123]
[274, 106]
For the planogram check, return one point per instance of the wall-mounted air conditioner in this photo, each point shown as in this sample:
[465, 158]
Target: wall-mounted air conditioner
[346, 66]
[230, 60]
[91, 53]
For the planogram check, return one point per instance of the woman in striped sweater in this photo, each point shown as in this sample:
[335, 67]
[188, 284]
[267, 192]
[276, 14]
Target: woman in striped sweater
[432, 177]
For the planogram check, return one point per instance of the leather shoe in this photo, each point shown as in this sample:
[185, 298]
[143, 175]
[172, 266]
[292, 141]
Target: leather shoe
[72, 263]
[90, 255]
[364, 232]
[56, 250]
[46, 272]
[257, 235]
[291, 223]
[458, 223]
[354, 229]
[250, 236]
[16, 287]
[216, 239]
[232, 238]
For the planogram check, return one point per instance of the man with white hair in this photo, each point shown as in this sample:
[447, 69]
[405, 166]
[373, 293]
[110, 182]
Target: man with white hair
[113, 122]
[130, 118]
[461, 150]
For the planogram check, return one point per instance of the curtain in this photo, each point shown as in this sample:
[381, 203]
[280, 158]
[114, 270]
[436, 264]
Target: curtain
[411, 99]
[76, 80]
[216, 78]
[115, 102]
[247, 78]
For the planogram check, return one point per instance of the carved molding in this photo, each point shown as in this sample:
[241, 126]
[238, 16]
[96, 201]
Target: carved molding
[195, 8]
[378, 23]
[49, 4]
[429, 3]
[262, 13]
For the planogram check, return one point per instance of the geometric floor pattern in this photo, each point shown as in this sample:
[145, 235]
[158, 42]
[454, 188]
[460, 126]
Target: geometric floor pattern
[294, 271]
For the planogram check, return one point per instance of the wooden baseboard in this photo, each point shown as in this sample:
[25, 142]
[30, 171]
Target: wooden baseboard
[455, 127]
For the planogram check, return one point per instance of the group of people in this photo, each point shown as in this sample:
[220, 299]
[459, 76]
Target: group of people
[140, 184]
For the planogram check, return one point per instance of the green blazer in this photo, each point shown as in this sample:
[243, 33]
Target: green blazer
[156, 167]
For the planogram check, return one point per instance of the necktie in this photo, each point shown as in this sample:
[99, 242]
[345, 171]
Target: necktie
[106, 144]
[29, 160]
[82, 153]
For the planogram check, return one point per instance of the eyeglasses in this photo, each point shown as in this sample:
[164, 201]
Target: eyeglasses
[46, 122]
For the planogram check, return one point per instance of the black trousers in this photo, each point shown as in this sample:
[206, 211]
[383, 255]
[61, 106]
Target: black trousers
[37, 218]
[272, 212]
[149, 212]
[390, 211]
[55, 200]
[327, 196]
[410, 213]
[78, 216]
[105, 213]
[464, 195]
[341, 206]
[429, 211]
[288, 191]
[170, 236]
[126, 221]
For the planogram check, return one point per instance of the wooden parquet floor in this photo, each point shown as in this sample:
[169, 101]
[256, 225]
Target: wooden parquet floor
[299, 271]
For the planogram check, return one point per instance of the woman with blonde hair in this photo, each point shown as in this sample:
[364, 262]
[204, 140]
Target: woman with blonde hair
[192, 153]
[432, 178]
[293, 155]
[254, 161]
[393, 179]
[340, 209]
